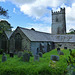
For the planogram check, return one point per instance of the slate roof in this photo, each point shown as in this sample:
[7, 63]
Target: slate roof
[34, 35]
[63, 38]
[8, 33]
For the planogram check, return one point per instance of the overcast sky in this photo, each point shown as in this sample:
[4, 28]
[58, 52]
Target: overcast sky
[37, 13]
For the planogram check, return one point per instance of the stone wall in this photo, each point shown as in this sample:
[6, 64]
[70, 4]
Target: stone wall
[35, 45]
[69, 45]
[25, 41]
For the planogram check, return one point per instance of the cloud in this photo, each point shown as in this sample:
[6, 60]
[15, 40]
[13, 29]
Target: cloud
[21, 2]
[33, 11]
[2, 0]
[38, 8]
[14, 10]
[40, 27]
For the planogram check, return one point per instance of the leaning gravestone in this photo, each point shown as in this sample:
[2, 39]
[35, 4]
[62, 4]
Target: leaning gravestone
[36, 57]
[26, 57]
[20, 53]
[61, 53]
[54, 57]
[4, 58]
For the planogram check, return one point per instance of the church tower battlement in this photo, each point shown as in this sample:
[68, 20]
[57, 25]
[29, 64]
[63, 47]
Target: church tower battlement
[58, 22]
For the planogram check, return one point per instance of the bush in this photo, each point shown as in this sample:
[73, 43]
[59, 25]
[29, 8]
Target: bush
[28, 52]
[1, 51]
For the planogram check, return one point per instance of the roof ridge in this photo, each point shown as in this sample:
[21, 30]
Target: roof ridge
[35, 30]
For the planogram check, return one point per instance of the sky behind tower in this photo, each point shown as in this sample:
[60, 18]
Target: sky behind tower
[37, 13]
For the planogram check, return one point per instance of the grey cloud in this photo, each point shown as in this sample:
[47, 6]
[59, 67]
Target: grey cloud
[21, 2]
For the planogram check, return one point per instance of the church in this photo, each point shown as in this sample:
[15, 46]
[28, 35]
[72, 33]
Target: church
[31, 40]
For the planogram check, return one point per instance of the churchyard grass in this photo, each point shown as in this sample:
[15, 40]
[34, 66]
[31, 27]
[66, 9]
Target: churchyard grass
[15, 66]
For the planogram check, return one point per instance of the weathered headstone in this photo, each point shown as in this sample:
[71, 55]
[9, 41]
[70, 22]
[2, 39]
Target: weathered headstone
[26, 57]
[11, 54]
[4, 58]
[54, 57]
[20, 53]
[36, 57]
[61, 53]
[40, 54]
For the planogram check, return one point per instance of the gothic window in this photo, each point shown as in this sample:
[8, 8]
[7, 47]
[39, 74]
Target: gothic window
[3, 43]
[18, 41]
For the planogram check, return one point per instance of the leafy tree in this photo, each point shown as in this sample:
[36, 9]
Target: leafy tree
[3, 12]
[5, 26]
[72, 31]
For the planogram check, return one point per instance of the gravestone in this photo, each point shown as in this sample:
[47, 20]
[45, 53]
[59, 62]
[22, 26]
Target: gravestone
[58, 50]
[65, 47]
[11, 54]
[40, 54]
[4, 58]
[26, 57]
[54, 57]
[20, 53]
[36, 57]
[61, 53]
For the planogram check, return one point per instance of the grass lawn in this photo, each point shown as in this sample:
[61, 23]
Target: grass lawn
[14, 66]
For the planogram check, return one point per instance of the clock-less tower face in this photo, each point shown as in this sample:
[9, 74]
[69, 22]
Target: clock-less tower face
[58, 22]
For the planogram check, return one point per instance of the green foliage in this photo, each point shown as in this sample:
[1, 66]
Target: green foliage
[71, 62]
[3, 12]
[13, 66]
[5, 26]
[1, 51]
[72, 31]
[28, 52]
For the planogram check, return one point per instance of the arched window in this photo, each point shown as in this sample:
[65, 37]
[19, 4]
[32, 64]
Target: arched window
[18, 41]
[3, 43]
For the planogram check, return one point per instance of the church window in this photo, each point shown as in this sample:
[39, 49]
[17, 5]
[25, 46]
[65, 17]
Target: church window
[18, 41]
[3, 43]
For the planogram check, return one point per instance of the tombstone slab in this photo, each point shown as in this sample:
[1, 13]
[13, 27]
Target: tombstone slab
[4, 58]
[36, 57]
[54, 57]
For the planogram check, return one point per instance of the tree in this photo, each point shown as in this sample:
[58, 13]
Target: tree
[5, 26]
[72, 31]
[3, 12]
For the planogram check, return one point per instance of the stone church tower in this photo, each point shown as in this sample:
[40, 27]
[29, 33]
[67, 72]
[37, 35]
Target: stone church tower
[59, 22]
